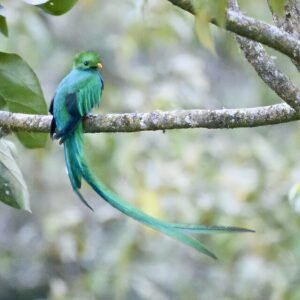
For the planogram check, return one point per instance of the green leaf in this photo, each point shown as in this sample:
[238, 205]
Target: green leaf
[2, 102]
[203, 31]
[57, 7]
[206, 10]
[277, 6]
[13, 189]
[294, 197]
[3, 24]
[21, 90]
[53, 7]
[215, 9]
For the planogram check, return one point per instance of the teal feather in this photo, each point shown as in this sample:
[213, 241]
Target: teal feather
[75, 97]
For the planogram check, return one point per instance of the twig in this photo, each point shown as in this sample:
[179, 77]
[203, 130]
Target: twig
[267, 69]
[289, 21]
[254, 30]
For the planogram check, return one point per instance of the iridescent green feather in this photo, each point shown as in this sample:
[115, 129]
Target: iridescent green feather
[78, 93]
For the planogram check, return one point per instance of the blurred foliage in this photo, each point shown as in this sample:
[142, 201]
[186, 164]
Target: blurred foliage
[13, 188]
[3, 24]
[20, 90]
[207, 10]
[242, 177]
[57, 7]
[277, 5]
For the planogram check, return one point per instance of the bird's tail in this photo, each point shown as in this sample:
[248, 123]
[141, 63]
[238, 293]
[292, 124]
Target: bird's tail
[77, 169]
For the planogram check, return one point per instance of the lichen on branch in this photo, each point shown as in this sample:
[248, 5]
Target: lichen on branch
[161, 120]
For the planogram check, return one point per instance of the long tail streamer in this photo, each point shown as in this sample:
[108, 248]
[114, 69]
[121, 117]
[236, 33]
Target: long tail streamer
[78, 169]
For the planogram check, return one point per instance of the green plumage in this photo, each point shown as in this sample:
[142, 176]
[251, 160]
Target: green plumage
[75, 97]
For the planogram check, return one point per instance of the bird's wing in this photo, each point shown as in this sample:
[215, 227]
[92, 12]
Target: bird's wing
[81, 98]
[53, 123]
[85, 95]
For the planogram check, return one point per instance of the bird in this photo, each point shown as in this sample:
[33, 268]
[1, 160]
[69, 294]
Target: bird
[76, 95]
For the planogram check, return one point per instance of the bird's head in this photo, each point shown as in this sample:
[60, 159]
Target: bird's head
[87, 60]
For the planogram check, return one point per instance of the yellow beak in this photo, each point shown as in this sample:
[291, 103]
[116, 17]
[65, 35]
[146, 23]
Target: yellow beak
[99, 66]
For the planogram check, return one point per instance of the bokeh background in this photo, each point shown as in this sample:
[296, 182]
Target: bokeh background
[243, 177]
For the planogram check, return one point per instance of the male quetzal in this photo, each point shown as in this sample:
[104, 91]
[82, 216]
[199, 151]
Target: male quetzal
[75, 97]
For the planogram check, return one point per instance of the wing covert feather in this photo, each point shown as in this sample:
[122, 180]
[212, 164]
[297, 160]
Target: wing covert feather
[89, 95]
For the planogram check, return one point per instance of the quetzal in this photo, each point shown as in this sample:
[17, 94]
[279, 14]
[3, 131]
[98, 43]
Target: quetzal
[75, 97]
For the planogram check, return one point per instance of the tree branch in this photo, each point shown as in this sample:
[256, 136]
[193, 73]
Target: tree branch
[254, 30]
[158, 120]
[289, 21]
[267, 69]
[223, 118]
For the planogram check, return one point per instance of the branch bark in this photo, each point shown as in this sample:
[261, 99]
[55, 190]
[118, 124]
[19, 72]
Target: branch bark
[254, 30]
[158, 120]
[289, 21]
[267, 69]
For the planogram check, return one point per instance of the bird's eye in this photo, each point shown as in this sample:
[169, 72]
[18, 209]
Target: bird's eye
[85, 63]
